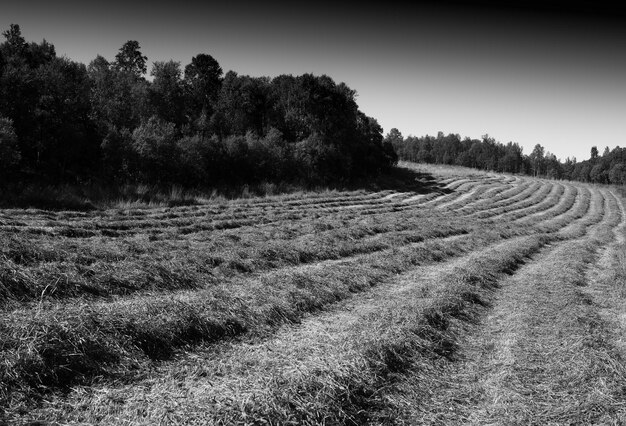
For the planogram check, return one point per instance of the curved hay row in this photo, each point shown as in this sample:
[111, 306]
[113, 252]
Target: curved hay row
[458, 191]
[512, 203]
[34, 274]
[201, 286]
[547, 197]
[519, 191]
[470, 196]
[563, 203]
[61, 345]
[333, 368]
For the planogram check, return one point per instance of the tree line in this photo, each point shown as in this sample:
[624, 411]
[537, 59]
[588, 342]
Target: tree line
[62, 121]
[488, 154]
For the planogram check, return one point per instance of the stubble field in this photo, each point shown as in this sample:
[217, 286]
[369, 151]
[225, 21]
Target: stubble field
[480, 299]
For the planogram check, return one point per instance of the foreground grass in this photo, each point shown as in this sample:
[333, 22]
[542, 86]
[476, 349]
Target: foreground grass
[100, 267]
[331, 369]
[56, 346]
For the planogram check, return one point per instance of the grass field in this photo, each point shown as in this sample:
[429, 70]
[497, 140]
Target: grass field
[461, 298]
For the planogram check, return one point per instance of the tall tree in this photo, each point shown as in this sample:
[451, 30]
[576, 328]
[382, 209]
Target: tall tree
[166, 92]
[21, 90]
[203, 79]
[512, 160]
[242, 105]
[130, 59]
[118, 97]
[536, 158]
[617, 174]
[9, 149]
[15, 43]
[394, 136]
[65, 139]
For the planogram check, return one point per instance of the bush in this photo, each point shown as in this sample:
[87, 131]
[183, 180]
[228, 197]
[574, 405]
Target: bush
[194, 154]
[155, 144]
[9, 150]
[320, 162]
[118, 157]
[270, 157]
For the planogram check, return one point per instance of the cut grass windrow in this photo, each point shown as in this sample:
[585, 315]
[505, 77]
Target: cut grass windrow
[458, 191]
[588, 211]
[333, 369]
[183, 224]
[122, 333]
[569, 213]
[214, 216]
[509, 203]
[510, 194]
[468, 197]
[242, 219]
[545, 201]
[56, 346]
[283, 309]
[487, 190]
[33, 271]
[520, 205]
[543, 356]
[564, 202]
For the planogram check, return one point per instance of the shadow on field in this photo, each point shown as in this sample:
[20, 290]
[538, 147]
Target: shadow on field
[405, 180]
[95, 197]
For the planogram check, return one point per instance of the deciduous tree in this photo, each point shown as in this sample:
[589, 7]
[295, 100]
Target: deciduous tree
[537, 159]
[166, 92]
[130, 59]
[203, 79]
[9, 149]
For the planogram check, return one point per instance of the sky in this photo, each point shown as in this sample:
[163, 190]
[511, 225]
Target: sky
[530, 72]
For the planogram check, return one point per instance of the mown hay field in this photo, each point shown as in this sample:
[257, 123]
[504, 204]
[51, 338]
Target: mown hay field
[482, 299]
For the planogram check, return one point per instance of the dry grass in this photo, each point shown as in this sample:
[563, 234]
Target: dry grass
[306, 307]
[333, 367]
[542, 355]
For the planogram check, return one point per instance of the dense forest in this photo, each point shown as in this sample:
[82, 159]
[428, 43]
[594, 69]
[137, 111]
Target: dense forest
[108, 123]
[62, 121]
[489, 154]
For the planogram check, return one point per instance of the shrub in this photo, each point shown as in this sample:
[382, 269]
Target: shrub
[154, 143]
[194, 154]
[320, 162]
[9, 150]
[117, 154]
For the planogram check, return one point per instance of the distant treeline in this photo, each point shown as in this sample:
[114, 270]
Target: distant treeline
[488, 154]
[62, 121]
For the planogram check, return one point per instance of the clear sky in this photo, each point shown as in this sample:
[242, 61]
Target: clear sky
[533, 72]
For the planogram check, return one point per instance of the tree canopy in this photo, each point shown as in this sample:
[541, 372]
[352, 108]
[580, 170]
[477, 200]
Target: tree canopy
[130, 59]
[488, 154]
[194, 125]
